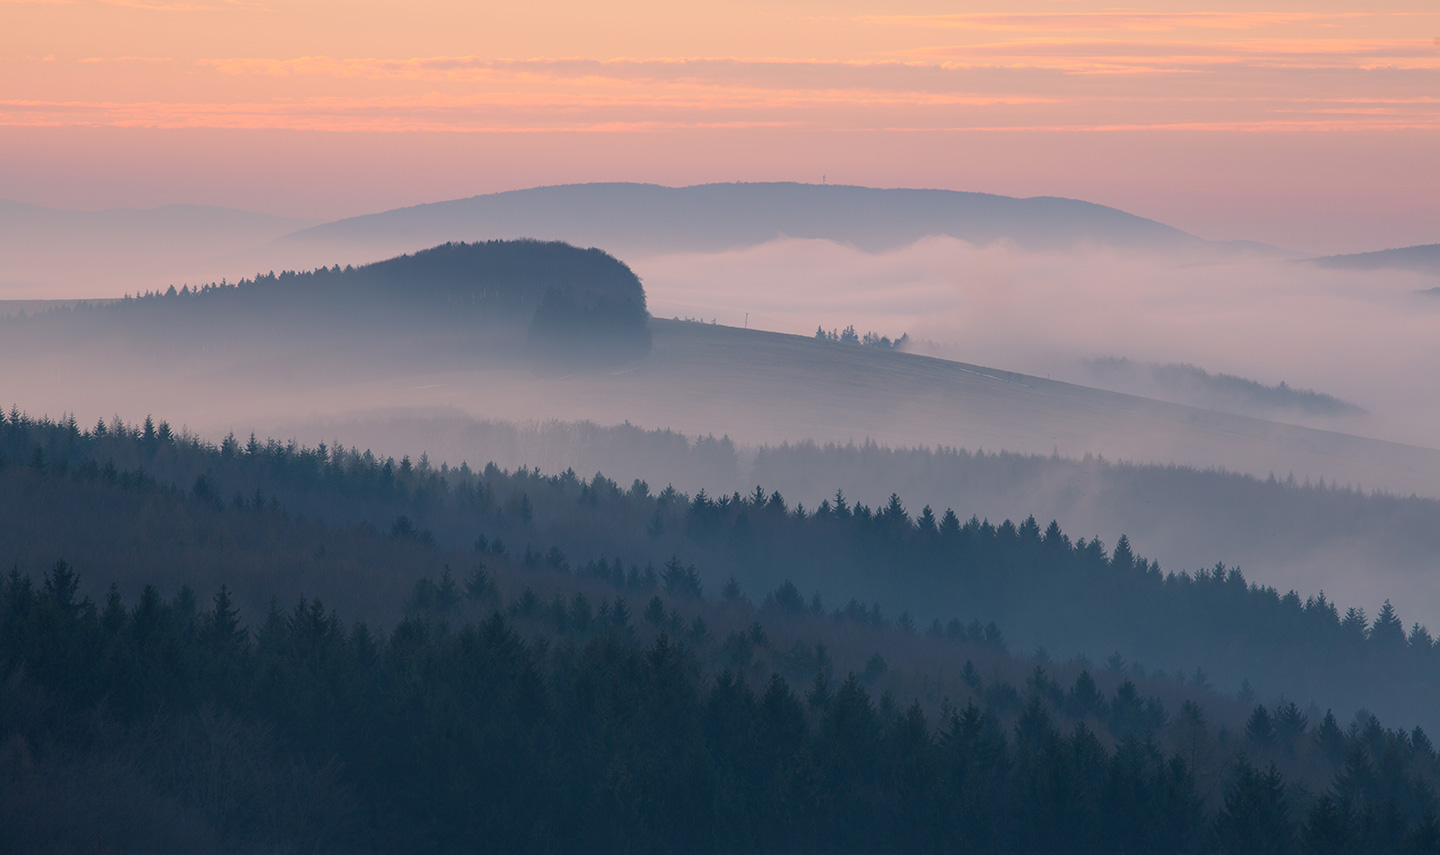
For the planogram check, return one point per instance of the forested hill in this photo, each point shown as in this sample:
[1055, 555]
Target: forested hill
[553, 295]
[523, 705]
[1043, 588]
[1311, 537]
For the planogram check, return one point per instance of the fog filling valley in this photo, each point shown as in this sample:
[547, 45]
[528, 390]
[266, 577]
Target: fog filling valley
[523, 412]
[632, 429]
[1364, 336]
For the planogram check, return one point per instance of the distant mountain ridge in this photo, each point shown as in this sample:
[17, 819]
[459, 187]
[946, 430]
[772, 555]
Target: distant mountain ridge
[1421, 259]
[649, 218]
[1188, 384]
[143, 249]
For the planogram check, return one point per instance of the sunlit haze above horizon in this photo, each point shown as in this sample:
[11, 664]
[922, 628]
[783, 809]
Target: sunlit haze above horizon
[1311, 126]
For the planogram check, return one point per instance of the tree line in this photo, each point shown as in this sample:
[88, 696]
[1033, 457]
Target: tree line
[1280, 525]
[182, 730]
[1069, 597]
[869, 339]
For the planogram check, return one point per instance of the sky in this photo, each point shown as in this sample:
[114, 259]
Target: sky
[1311, 125]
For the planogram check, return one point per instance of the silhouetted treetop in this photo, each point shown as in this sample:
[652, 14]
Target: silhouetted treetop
[507, 277]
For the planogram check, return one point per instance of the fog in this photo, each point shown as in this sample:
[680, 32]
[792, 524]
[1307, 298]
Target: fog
[434, 359]
[1360, 550]
[46, 253]
[423, 386]
[1366, 337]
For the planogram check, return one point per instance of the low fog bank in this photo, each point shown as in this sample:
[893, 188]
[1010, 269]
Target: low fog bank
[281, 369]
[1367, 337]
[13, 308]
[1362, 336]
[48, 253]
[1360, 549]
[126, 250]
[216, 371]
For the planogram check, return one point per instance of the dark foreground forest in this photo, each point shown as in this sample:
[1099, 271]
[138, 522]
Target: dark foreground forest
[389, 656]
[162, 726]
[82, 488]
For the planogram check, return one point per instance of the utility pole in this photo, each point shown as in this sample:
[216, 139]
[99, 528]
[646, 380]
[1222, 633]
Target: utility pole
[747, 320]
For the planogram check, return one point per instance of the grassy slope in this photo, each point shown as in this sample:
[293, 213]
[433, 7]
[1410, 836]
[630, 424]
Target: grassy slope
[767, 387]
[755, 386]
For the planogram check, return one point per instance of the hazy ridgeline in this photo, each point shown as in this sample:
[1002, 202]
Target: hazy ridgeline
[1357, 546]
[646, 219]
[1424, 259]
[1070, 595]
[1190, 384]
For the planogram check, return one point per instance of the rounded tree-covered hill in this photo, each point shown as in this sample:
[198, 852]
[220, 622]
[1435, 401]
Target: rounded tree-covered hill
[549, 298]
[499, 279]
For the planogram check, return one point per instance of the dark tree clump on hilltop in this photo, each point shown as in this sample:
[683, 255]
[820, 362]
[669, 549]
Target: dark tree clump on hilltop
[547, 299]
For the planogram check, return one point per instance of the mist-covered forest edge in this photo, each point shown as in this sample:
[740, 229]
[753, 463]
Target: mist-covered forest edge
[1309, 535]
[633, 632]
[1191, 384]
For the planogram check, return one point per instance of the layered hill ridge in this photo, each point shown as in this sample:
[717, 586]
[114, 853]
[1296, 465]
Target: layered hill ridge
[1419, 259]
[757, 387]
[650, 218]
[135, 249]
[305, 350]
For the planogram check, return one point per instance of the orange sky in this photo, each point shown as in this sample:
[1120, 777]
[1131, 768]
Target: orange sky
[1313, 125]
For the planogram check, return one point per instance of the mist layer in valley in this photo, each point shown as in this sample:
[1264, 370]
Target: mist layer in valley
[48, 253]
[500, 352]
[1364, 337]
[1044, 286]
[1307, 536]
[1022, 310]
[228, 369]
[300, 355]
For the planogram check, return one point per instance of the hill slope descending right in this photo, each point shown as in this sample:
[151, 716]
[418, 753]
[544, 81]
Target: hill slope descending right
[1420, 259]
